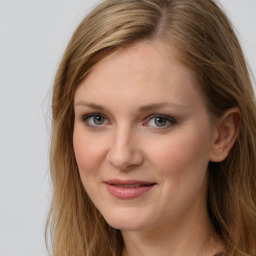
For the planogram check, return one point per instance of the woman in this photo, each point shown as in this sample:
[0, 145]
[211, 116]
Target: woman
[153, 140]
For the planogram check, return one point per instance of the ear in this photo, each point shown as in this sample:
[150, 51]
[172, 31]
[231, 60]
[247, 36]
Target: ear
[225, 134]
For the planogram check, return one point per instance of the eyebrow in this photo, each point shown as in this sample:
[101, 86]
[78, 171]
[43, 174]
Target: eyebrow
[159, 106]
[90, 105]
[144, 108]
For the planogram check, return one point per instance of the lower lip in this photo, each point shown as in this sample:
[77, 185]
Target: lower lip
[127, 193]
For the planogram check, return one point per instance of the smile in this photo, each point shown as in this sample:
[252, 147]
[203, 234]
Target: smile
[128, 189]
[129, 186]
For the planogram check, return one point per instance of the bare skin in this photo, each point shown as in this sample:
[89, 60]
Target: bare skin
[140, 115]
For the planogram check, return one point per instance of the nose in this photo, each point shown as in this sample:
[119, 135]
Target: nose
[124, 152]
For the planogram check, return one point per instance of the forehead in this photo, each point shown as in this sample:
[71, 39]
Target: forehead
[145, 71]
[147, 56]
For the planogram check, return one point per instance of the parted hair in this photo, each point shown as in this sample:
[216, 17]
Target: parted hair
[205, 41]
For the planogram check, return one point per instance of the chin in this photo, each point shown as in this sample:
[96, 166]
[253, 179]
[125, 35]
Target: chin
[126, 220]
[128, 226]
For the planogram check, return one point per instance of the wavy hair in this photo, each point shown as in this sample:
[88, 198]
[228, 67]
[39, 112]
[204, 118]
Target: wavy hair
[204, 39]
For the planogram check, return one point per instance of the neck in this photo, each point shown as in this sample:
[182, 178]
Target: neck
[186, 237]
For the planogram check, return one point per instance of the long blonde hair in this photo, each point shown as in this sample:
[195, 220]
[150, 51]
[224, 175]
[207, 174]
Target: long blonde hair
[205, 41]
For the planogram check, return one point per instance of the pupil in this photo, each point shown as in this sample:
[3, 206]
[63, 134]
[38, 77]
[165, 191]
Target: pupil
[98, 120]
[159, 121]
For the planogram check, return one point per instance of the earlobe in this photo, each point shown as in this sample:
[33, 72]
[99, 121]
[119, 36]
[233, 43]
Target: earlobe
[226, 133]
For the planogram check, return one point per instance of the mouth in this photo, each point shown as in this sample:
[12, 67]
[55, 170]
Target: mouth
[130, 186]
[128, 189]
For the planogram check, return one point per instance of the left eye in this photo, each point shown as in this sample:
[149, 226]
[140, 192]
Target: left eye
[161, 121]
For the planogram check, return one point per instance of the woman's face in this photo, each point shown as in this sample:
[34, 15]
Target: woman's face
[143, 139]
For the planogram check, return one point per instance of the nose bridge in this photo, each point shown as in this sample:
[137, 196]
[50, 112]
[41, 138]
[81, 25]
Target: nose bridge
[124, 151]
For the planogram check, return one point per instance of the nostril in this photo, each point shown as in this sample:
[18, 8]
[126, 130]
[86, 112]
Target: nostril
[124, 159]
[124, 150]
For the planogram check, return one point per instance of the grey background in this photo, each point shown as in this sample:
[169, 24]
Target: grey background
[33, 35]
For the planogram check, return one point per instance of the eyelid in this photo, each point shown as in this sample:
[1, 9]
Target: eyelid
[85, 118]
[169, 119]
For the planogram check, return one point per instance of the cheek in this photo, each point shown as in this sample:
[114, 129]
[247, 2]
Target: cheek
[89, 151]
[184, 156]
[182, 164]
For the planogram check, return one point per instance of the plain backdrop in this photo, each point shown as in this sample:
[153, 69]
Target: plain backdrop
[33, 35]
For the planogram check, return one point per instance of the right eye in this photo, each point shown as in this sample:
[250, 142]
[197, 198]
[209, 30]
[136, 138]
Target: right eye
[94, 120]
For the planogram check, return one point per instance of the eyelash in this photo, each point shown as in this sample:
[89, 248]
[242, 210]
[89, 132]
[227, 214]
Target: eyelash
[169, 120]
[85, 119]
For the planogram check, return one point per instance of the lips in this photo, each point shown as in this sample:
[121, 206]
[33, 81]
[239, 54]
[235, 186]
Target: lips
[128, 189]
[129, 186]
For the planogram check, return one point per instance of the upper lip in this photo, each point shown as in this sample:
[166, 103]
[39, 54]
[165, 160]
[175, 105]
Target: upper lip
[128, 182]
